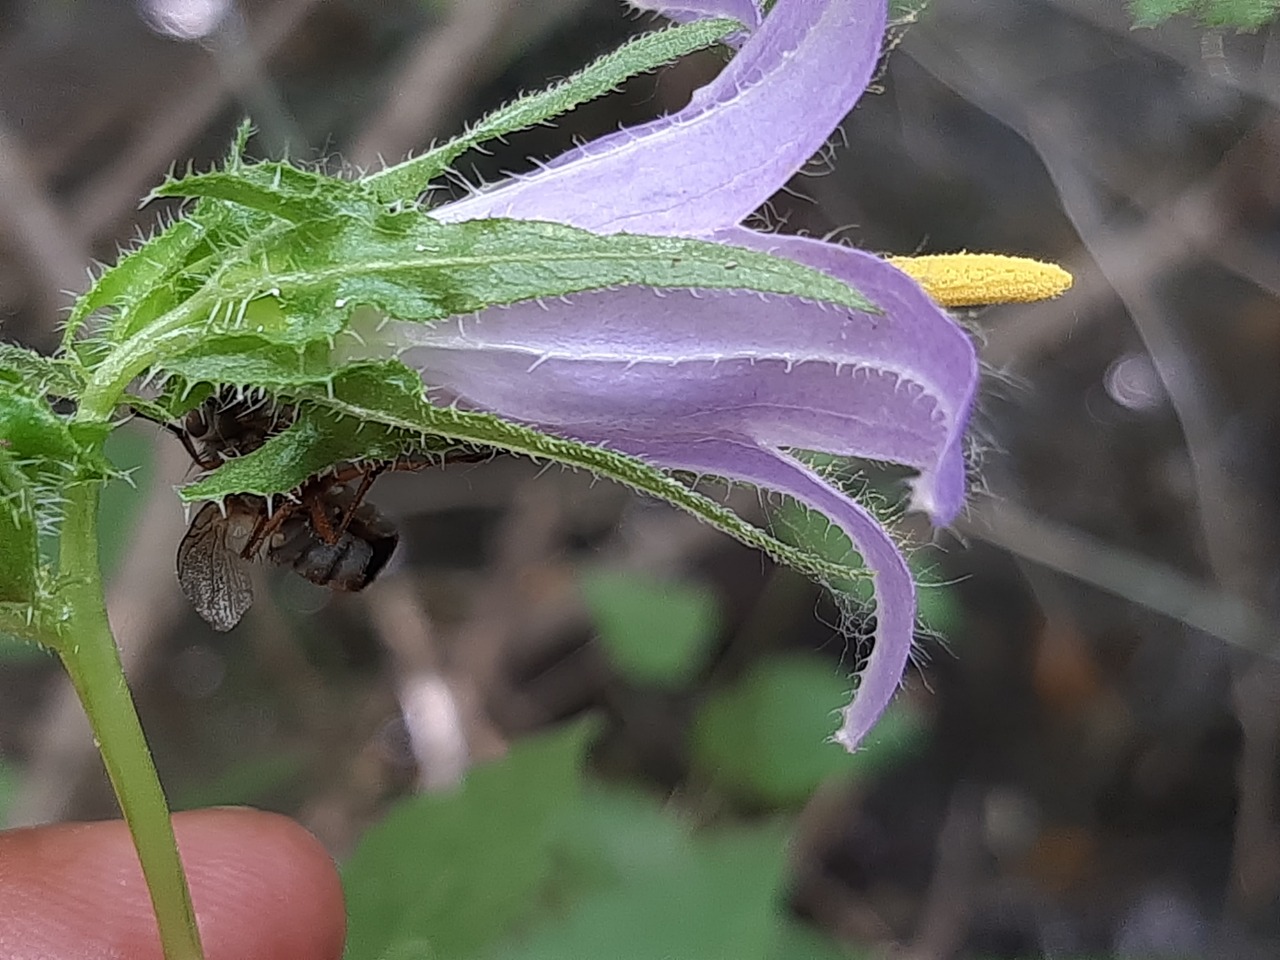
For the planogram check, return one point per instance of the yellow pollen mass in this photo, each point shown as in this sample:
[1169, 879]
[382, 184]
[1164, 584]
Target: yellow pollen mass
[972, 279]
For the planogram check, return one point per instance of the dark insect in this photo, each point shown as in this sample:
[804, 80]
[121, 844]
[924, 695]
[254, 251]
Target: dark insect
[327, 537]
[325, 532]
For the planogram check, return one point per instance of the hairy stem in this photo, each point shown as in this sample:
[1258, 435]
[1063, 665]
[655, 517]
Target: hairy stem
[89, 652]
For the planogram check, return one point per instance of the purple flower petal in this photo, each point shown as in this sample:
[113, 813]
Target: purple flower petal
[737, 142]
[640, 364]
[721, 382]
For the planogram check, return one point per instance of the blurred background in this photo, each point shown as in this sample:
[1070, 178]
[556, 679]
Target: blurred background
[1085, 762]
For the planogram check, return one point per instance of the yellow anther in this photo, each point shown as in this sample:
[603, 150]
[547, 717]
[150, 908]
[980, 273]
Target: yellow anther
[971, 279]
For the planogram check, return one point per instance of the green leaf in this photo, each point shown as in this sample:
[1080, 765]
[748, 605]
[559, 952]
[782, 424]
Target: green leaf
[453, 872]
[796, 941]
[714, 896]
[766, 739]
[406, 180]
[654, 631]
[10, 782]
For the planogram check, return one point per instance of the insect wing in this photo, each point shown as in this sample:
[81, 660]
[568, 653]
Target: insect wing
[214, 578]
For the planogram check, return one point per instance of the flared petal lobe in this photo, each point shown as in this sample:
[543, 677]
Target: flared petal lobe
[740, 139]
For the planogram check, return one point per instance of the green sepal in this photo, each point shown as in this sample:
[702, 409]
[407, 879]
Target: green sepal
[314, 442]
[414, 268]
[276, 188]
[252, 361]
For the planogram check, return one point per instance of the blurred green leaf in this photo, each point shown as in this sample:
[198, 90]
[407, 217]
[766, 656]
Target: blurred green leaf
[766, 739]
[248, 781]
[813, 532]
[619, 832]
[10, 781]
[446, 874]
[798, 942]
[1245, 14]
[712, 896]
[939, 608]
[654, 631]
[131, 451]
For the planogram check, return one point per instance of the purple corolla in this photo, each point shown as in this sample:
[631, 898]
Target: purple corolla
[726, 383]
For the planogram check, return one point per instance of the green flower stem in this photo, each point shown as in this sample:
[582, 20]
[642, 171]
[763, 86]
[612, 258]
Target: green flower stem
[89, 652]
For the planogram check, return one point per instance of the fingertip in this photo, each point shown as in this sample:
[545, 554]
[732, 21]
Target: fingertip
[263, 889]
[262, 885]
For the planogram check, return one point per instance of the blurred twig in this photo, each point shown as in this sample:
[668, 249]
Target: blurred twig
[502, 608]
[427, 702]
[1131, 577]
[1176, 229]
[103, 200]
[1179, 40]
[439, 69]
[39, 233]
[447, 65]
[960, 869]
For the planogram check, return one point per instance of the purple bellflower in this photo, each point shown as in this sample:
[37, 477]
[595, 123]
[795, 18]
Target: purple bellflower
[726, 383]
